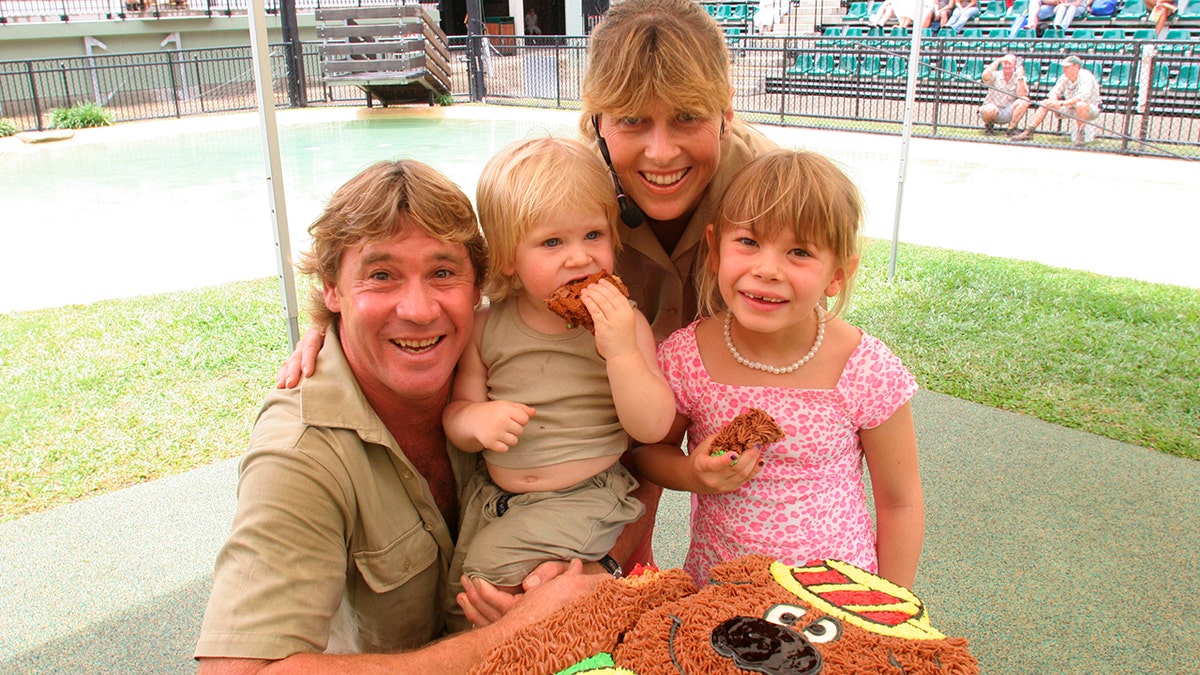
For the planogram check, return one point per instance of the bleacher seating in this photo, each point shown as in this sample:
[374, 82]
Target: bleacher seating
[735, 18]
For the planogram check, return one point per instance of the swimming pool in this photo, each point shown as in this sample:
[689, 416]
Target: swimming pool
[160, 206]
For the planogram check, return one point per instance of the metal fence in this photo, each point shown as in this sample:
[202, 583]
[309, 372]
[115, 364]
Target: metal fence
[75, 10]
[816, 82]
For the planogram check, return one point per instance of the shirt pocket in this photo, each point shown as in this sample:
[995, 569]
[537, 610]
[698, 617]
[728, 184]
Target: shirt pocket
[392, 566]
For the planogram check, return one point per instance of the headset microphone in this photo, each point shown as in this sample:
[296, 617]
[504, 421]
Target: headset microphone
[631, 215]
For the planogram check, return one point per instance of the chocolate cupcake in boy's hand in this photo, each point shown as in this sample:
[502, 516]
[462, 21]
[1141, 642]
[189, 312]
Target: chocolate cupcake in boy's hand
[566, 303]
[753, 427]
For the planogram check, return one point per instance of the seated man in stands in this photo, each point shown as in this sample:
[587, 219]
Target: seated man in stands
[1076, 95]
[1008, 94]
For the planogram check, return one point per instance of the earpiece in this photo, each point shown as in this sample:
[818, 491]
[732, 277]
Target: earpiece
[631, 215]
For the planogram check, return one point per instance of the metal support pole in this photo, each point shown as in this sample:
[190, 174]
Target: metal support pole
[293, 52]
[475, 49]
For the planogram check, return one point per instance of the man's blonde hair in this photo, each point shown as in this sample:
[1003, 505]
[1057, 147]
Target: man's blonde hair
[643, 51]
[384, 200]
[529, 182]
[788, 189]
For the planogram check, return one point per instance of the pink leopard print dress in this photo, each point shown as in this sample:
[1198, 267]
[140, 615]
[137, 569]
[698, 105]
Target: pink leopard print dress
[809, 500]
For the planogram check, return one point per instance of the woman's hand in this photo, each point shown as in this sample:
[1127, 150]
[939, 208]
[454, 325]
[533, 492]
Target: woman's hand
[303, 361]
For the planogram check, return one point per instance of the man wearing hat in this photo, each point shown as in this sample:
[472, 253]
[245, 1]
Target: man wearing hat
[1008, 94]
[1076, 94]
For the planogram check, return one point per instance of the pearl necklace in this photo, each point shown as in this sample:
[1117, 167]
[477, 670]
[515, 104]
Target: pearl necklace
[784, 370]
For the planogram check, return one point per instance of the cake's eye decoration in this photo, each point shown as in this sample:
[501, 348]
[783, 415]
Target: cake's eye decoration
[784, 615]
[823, 630]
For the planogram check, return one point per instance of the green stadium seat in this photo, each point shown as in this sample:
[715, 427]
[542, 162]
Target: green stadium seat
[1132, 10]
[737, 12]
[1188, 79]
[870, 66]
[991, 10]
[847, 66]
[723, 12]
[1116, 77]
[1144, 34]
[831, 31]
[858, 11]
[1111, 40]
[1192, 11]
[896, 66]
[1162, 76]
[710, 8]
[1177, 42]
[1033, 72]
[1018, 8]
[972, 69]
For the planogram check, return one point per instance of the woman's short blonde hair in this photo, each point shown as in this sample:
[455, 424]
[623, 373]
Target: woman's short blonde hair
[382, 201]
[529, 182]
[644, 51]
[781, 189]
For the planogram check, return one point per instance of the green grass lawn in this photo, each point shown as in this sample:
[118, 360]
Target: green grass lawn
[102, 396]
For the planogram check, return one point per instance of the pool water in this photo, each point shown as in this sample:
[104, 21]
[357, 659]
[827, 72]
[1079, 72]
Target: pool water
[96, 218]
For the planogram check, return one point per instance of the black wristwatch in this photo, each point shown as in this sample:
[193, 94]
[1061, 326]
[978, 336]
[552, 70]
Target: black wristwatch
[612, 566]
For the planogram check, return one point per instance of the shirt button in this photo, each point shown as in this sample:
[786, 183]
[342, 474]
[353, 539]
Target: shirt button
[428, 527]
[406, 475]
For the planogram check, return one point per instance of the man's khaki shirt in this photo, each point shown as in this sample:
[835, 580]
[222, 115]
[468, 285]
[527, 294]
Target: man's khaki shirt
[331, 514]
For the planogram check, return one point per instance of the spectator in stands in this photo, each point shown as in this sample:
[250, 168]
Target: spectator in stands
[903, 10]
[964, 11]
[1066, 11]
[531, 22]
[1076, 95]
[1039, 10]
[939, 14]
[1007, 98]
[1161, 11]
[768, 14]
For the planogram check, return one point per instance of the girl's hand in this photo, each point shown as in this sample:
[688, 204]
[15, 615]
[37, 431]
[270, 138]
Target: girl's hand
[613, 316]
[724, 471]
[498, 424]
[303, 361]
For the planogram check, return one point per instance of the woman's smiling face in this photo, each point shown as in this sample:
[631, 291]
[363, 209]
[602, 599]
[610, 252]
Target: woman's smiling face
[665, 158]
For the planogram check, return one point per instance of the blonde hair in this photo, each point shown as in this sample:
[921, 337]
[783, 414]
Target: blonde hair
[529, 182]
[384, 200]
[655, 50]
[781, 189]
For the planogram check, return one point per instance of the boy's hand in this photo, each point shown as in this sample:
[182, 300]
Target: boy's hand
[614, 319]
[719, 472]
[498, 424]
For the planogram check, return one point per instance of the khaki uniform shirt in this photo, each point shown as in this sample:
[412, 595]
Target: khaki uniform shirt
[332, 520]
[662, 285]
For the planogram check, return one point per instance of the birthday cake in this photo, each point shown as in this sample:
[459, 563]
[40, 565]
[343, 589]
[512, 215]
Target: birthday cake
[757, 615]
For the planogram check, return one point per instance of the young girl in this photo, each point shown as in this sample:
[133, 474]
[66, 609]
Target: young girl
[785, 239]
[549, 406]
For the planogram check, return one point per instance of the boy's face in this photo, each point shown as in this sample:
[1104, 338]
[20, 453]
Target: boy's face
[573, 244]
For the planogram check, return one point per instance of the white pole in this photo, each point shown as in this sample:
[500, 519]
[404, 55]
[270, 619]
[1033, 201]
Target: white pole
[264, 86]
[910, 95]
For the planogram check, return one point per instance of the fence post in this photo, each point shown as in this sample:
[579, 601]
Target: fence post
[199, 81]
[174, 82]
[62, 66]
[37, 105]
[475, 50]
[293, 52]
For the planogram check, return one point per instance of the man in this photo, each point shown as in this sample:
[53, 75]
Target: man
[1007, 98]
[1076, 94]
[348, 495]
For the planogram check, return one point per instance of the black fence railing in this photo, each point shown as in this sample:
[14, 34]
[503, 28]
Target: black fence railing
[1151, 97]
[12, 11]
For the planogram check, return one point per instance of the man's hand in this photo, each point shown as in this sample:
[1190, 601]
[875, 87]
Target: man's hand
[550, 586]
